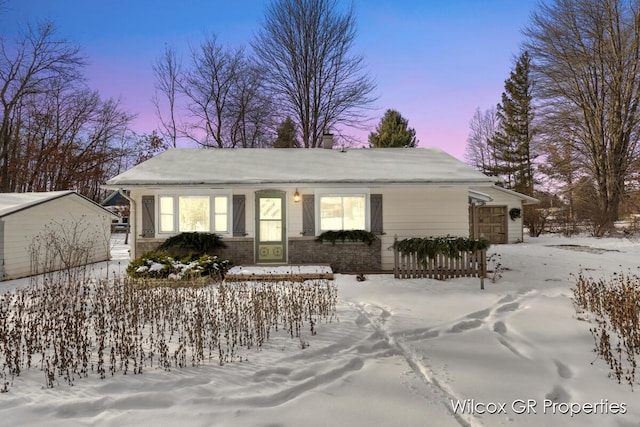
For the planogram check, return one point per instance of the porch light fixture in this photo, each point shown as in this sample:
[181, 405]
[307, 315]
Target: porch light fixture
[296, 197]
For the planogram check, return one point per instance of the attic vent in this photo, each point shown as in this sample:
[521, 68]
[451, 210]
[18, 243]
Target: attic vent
[327, 141]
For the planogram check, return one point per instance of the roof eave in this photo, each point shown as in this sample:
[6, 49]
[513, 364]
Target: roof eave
[141, 184]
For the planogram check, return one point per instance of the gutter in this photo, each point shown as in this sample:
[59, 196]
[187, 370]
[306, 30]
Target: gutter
[306, 183]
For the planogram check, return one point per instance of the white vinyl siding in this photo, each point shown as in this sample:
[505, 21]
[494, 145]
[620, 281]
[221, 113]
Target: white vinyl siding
[22, 227]
[422, 212]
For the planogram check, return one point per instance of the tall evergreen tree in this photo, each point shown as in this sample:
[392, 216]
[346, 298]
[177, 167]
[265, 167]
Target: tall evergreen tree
[512, 142]
[393, 131]
[286, 135]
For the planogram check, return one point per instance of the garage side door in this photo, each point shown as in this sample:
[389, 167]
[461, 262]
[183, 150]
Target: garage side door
[492, 223]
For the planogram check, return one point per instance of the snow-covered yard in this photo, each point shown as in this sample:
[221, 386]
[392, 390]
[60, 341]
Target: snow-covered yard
[402, 354]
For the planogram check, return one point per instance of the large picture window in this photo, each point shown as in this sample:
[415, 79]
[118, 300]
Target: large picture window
[346, 212]
[193, 213]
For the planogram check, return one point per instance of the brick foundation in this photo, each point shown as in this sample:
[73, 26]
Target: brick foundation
[239, 249]
[349, 257]
[146, 245]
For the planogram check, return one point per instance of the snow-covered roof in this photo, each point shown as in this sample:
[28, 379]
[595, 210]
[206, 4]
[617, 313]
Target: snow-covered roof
[526, 200]
[193, 166]
[478, 196]
[14, 202]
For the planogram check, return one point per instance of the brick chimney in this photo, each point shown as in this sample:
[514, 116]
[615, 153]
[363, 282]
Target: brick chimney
[327, 141]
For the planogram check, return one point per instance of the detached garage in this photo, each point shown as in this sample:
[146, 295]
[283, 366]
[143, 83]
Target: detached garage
[42, 232]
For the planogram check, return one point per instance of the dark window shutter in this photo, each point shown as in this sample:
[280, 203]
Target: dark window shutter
[308, 215]
[239, 228]
[376, 213]
[148, 216]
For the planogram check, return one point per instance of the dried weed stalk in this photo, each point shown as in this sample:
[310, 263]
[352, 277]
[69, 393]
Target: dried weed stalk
[615, 304]
[70, 330]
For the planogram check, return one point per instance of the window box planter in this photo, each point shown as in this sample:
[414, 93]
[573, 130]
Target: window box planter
[346, 237]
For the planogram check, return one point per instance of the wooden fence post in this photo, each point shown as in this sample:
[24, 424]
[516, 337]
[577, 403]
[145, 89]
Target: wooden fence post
[483, 267]
[441, 267]
[396, 258]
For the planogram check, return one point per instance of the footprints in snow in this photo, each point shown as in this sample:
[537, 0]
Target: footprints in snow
[478, 317]
[559, 394]
[563, 370]
[465, 325]
[513, 306]
[500, 327]
[470, 321]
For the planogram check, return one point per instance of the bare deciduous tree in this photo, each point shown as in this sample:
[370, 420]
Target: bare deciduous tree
[65, 140]
[27, 68]
[251, 108]
[586, 58]
[305, 47]
[208, 87]
[479, 152]
[224, 97]
[167, 72]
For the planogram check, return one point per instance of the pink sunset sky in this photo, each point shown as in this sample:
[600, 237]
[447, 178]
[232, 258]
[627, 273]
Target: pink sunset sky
[433, 61]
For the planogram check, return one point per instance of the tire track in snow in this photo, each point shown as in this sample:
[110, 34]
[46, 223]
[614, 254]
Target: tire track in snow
[447, 395]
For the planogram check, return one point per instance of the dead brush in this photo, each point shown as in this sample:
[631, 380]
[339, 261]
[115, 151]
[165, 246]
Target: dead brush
[615, 305]
[69, 330]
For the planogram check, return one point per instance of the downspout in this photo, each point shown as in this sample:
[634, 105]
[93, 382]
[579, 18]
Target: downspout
[521, 222]
[132, 223]
[2, 250]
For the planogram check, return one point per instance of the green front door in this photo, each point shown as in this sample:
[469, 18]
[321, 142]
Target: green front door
[270, 226]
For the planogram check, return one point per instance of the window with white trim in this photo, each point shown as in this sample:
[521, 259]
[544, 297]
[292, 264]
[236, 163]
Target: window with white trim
[343, 212]
[221, 214]
[166, 215]
[194, 213]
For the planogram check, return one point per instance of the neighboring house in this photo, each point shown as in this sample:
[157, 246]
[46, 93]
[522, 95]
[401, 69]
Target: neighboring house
[117, 204]
[491, 218]
[270, 204]
[29, 222]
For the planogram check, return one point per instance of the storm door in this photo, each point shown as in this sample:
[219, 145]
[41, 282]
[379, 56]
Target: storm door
[270, 227]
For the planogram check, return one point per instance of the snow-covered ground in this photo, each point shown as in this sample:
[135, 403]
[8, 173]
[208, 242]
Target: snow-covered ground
[400, 354]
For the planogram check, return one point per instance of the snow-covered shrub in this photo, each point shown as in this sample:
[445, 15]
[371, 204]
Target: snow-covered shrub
[159, 266]
[188, 243]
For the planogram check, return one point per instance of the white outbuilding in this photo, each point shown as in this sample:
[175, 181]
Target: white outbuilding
[42, 232]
